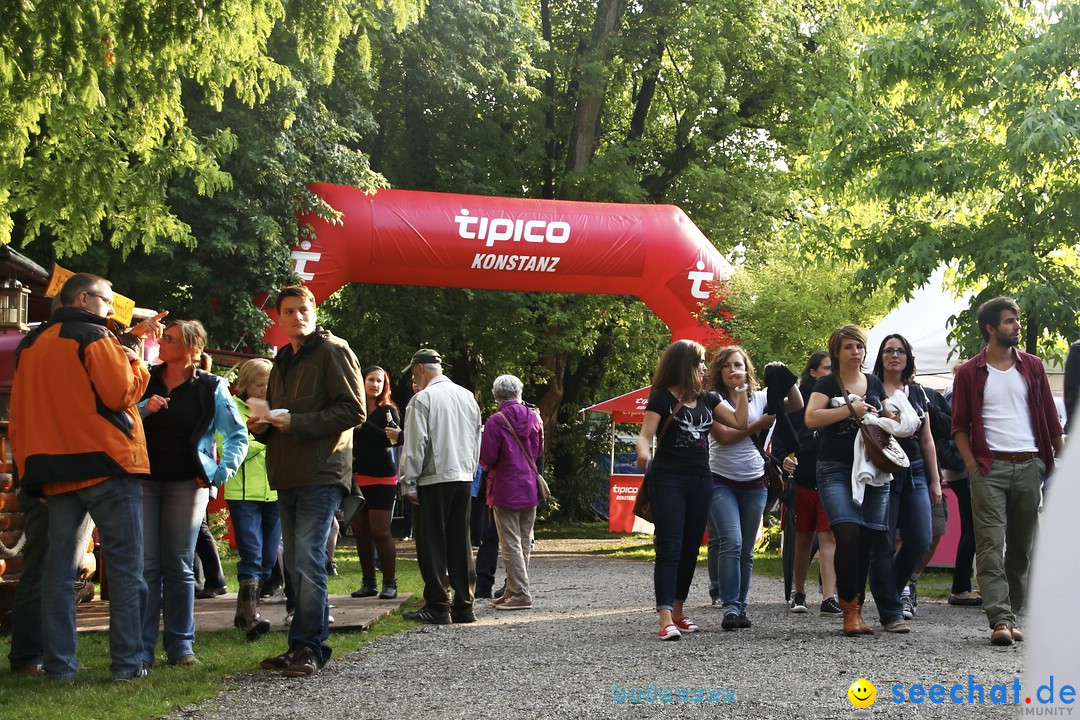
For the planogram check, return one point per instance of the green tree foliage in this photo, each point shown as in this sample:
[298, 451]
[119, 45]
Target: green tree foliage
[95, 99]
[785, 307]
[956, 143]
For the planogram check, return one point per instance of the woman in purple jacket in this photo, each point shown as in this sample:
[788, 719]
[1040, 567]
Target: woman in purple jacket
[510, 446]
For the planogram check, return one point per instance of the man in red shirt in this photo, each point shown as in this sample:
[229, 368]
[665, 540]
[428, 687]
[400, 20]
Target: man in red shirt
[1007, 430]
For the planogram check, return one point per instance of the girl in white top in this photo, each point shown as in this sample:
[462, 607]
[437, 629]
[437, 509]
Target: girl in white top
[739, 489]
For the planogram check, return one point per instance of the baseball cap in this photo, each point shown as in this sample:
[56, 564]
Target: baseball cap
[426, 356]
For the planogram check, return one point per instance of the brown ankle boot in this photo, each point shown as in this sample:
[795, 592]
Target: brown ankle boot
[851, 617]
[863, 627]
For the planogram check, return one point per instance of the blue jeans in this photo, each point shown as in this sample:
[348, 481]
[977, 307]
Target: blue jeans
[909, 510]
[26, 614]
[736, 515]
[680, 505]
[115, 504]
[172, 514]
[306, 514]
[257, 529]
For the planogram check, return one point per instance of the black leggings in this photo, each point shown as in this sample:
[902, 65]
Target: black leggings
[852, 559]
[965, 547]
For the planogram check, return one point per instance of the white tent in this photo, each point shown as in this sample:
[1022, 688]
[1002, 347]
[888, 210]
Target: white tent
[924, 321]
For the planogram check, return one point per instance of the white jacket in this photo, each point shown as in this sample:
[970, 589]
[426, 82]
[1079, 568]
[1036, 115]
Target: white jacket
[442, 436]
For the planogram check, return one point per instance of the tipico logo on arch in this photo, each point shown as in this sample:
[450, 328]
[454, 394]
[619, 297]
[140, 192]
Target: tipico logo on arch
[1035, 700]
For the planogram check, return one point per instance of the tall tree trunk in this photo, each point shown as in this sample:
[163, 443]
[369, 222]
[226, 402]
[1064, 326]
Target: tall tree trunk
[593, 85]
[552, 398]
[645, 95]
[551, 146]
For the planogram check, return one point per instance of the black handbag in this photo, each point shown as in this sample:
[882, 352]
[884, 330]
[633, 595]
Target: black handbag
[642, 506]
[780, 490]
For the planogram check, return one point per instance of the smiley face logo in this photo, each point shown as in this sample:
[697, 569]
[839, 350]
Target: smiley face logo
[862, 693]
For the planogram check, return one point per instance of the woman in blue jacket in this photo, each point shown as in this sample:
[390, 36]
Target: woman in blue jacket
[184, 410]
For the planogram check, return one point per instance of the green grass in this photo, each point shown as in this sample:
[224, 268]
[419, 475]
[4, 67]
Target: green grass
[579, 530]
[223, 654]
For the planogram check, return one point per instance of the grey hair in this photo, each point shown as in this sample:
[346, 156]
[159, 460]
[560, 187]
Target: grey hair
[431, 367]
[506, 387]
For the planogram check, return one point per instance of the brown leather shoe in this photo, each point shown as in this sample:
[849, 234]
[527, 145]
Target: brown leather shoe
[1016, 634]
[278, 662]
[31, 670]
[1002, 635]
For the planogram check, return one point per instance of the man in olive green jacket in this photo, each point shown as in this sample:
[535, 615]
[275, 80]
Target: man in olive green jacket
[316, 380]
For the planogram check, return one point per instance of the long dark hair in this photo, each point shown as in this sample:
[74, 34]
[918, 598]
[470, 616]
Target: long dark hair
[680, 367]
[909, 370]
[382, 398]
[806, 380]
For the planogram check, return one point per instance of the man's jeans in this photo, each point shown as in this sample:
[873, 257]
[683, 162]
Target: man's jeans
[306, 514]
[909, 511]
[257, 527]
[26, 615]
[115, 505]
[1005, 511]
[735, 514]
[172, 515]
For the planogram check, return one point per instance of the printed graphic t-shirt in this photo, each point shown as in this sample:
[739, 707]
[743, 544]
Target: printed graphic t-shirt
[684, 449]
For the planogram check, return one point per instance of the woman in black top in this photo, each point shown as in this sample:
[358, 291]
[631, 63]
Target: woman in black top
[375, 473]
[912, 491]
[680, 483]
[855, 527]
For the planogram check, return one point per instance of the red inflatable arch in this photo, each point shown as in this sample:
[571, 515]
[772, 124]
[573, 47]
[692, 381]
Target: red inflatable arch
[404, 237]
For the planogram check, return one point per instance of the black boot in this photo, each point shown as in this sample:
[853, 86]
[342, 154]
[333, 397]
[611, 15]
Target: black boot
[389, 589]
[367, 589]
[254, 625]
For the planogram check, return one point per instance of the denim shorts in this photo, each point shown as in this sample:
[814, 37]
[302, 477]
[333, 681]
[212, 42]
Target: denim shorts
[834, 488]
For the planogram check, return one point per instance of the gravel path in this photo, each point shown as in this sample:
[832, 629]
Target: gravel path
[592, 629]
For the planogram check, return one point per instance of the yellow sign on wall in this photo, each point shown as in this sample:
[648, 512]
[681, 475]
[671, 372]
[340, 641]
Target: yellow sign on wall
[123, 307]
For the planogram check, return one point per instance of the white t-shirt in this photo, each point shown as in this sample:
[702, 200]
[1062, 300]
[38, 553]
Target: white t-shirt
[740, 462]
[1006, 415]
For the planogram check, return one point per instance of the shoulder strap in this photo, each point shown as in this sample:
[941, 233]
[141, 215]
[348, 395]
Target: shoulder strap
[758, 444]
[667, 423]
[520, 444]
[844, 392]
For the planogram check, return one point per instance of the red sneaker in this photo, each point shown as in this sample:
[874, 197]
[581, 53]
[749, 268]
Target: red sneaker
[670, 632]
[687, 625]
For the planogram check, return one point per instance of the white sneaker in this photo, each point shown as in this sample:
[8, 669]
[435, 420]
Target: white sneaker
[288, 619]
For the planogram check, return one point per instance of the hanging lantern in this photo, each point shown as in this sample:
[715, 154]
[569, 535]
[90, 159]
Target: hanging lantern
[13, 305]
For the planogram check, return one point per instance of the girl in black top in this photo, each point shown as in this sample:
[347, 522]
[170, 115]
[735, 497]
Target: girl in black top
[855, 527]
[375, 473]
[679, 483]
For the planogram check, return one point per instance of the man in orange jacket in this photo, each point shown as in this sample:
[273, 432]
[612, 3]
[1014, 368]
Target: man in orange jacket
[78, 441]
